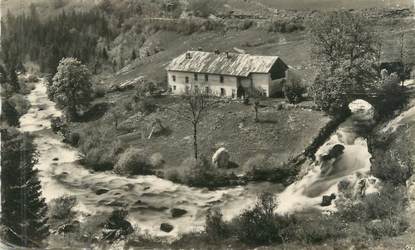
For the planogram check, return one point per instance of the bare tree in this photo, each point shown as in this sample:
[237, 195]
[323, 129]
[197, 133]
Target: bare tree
[194, 108]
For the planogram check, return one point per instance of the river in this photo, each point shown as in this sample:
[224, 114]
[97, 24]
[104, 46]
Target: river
[149, 198]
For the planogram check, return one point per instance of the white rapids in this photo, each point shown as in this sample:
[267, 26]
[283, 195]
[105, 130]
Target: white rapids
[352, 165]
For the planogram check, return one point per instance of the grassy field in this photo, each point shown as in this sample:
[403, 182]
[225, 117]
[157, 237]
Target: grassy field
[280, 134]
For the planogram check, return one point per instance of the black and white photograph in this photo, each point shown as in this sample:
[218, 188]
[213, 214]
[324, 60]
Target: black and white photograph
[207, 124]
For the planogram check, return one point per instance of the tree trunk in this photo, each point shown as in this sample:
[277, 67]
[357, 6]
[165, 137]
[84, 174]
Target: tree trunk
[195, 139]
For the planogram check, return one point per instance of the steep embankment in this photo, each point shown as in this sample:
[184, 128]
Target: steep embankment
[393, 150]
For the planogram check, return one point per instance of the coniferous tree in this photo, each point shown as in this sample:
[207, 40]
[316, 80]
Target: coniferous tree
[24, 210]
[9, 114]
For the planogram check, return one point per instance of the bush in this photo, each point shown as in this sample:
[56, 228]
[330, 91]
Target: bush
[157, 160]
[99, 91]
[259, 226]
[390, 227]
[20, 103]
[133, 162]
[98, 152]
[293, 92]
[313, 228]
[261, 168]
[215, 228]
[61, 208]
[146, 106]
[203, 8]
[74, 139]
[202, 173]
[284, 26]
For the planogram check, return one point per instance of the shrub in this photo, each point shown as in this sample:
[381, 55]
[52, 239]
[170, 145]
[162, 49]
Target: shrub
[215, 227]
[146, 106]
[202, 173]
[293, 92]
[312, 228]
[61, 208]
[258, 225]
[390, 227]
[157, 160]
[74, 139]
[20, 103]
[268, 169]
[99, 91]
[133, 162]
[392, 167]
[97, 150]
[203, 8]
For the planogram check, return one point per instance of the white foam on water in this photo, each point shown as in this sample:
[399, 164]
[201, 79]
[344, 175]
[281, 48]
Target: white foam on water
[307, 193]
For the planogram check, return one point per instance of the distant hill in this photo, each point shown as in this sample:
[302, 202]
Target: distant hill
[48, 7]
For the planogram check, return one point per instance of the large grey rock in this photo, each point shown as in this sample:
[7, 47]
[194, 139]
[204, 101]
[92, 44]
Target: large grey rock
[177, 212]
[166, 227]
[326, 201]
[220, 158]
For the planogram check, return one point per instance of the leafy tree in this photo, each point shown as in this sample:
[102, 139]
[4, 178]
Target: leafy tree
[23, 210]
[71, 87]
[193, 109]
[346, 52]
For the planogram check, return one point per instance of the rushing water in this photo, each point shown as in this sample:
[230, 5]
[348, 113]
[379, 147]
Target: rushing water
[324, 175]
[149, 198]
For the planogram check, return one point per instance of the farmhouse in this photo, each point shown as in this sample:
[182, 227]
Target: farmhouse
[227, 74]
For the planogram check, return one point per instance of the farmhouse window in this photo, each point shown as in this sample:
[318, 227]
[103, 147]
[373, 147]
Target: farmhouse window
[195, 76]
[206, 77]
[221, 79]
[207, 90]
[174, 87]
[174, 78]
[186, 79]
[222, 92]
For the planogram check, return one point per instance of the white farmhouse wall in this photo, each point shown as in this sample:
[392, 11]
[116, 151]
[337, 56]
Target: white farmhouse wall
[261, 81]
[178, 86]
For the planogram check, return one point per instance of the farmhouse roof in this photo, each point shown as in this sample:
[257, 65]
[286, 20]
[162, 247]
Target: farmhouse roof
[222, 63]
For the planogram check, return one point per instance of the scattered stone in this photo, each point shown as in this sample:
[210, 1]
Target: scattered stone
[221, 158]
[68, 228]
[101, 191]
[146, 188]
[177, 212]
[166, 227]
[55, 159]
[326, 201]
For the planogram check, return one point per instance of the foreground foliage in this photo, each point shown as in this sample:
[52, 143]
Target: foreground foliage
[23, 210]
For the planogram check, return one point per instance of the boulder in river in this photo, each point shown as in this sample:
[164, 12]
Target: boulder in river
[166, 227]
[334, 152]
[177, 212]
[221, 158]
[326, 201]
[101, 191]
